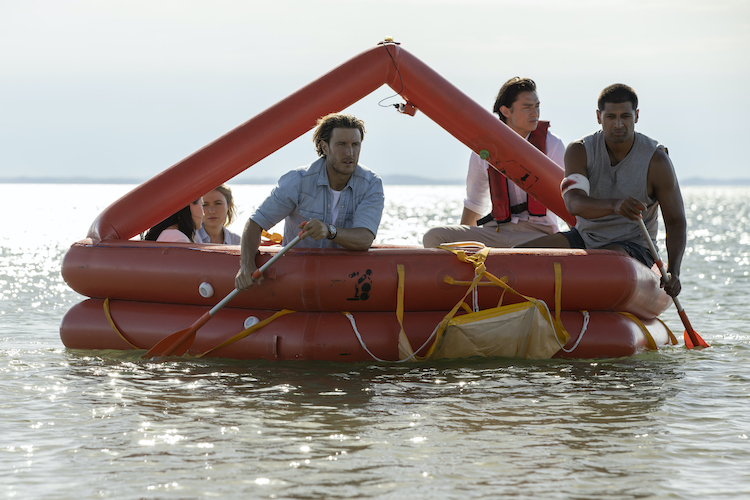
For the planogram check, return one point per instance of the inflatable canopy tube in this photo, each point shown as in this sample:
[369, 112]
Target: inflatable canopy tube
[336, 280]
[311, 336]
[239, 149]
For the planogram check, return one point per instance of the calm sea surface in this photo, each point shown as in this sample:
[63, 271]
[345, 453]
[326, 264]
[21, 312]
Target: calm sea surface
[90, 424]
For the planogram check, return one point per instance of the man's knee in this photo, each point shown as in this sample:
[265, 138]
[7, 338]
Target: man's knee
[433, 237]
[557, 240]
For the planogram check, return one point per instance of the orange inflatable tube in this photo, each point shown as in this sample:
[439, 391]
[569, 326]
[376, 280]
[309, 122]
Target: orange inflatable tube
[283, 122]
[335, 280]
[326, 336]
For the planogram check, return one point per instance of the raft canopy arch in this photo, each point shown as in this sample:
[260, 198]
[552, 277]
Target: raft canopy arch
[387, 63]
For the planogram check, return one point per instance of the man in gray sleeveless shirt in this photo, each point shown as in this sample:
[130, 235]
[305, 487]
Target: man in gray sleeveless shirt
[614, 176]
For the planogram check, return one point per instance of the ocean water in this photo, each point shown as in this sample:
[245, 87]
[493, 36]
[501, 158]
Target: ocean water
[671, 424]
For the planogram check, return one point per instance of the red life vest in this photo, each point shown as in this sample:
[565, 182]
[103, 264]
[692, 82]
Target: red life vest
[501, 209]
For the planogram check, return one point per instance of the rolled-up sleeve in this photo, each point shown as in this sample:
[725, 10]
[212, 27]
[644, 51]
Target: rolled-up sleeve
[477, 185]
[370, 210]
[280, 203]
[555, 149]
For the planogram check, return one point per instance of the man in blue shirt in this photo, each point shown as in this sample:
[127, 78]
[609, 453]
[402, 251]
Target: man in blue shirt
[341, 201]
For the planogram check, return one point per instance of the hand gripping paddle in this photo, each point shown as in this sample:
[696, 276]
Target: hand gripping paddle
[178, 343]
[692, 339]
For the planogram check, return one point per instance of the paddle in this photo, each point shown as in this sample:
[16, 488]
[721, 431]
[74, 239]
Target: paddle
[692, 339]
[178, 343]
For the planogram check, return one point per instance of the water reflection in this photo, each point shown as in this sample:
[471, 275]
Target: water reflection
[546, 420]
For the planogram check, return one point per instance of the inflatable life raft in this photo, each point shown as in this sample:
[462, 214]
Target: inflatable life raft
[339, 305]
[153, 289]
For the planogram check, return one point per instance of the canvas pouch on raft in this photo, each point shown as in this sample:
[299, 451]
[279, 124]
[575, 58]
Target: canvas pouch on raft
[525, 330]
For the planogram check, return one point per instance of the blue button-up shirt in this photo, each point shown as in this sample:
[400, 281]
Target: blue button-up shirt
[304, 194]
[230, 238]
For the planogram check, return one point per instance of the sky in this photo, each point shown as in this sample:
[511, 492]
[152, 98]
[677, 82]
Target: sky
[111, 89]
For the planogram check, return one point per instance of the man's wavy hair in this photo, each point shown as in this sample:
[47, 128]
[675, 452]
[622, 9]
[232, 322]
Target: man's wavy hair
[508, 93]
[616, 94]
[326, 125]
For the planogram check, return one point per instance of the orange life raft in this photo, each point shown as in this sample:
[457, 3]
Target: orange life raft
[143, 291]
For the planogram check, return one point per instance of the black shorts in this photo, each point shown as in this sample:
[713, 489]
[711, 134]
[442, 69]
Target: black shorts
[639, 253]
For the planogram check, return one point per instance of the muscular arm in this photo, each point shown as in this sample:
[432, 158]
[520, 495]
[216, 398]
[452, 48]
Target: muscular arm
[355, 238]
[664, 187]
[579, 203]
[249, 249]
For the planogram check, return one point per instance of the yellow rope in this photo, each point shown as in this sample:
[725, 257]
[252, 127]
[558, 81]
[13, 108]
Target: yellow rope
[114, 326]
[477, 260]
[248, 331]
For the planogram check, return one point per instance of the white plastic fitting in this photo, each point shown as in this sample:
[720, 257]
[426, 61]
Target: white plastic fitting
[206, 290]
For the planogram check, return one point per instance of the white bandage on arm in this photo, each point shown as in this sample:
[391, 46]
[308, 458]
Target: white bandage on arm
[575, 181]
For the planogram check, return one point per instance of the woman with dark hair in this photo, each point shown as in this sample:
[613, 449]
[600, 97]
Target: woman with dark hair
[218, 212]
[179, 227]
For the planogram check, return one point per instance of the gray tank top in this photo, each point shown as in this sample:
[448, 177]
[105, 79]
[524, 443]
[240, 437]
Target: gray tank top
[629, 178]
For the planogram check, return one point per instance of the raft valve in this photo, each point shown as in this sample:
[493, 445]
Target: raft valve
[206, 290]
[484, 154]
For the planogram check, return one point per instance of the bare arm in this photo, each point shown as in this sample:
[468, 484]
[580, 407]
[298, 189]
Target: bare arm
[469, 217]
[355, 238]
[249, 249]
[579, 203]
[665, 188]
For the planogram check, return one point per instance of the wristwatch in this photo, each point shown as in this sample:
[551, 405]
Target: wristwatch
[331, 231]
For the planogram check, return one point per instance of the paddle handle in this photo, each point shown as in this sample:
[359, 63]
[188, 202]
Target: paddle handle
[223, 302]
[256, 274]
[691, 335]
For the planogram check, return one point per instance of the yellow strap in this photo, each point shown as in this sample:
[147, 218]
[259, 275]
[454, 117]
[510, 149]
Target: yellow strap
[404, 346]
[248, 331]
[452, 281]
[672, 338]
[559, 328]
[649, 339]
[114, 326]
[478, 261]
[444, 323]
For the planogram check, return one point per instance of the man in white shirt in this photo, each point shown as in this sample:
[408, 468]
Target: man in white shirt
[514, 217]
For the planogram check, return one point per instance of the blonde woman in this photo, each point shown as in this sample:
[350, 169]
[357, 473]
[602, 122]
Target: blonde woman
[218, 211]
